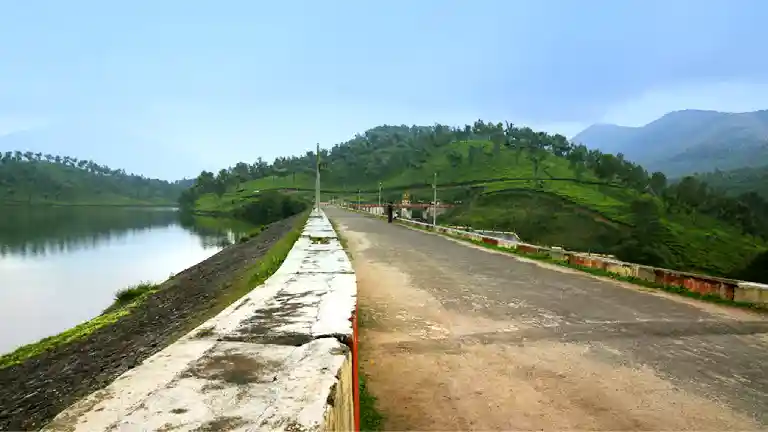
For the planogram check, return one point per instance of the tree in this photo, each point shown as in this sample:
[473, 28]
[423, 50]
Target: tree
[454, 158]
[240, 173]
[689, 191]
[658, 183]
[756, 270]
[472, 155]
[607, 167]
[577, 158]
[560, 145]
[648, 240]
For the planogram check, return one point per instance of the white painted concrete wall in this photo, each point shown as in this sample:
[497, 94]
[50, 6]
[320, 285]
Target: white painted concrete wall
[270, 361]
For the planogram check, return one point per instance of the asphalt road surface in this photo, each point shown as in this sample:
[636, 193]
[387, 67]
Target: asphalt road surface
[457, 337]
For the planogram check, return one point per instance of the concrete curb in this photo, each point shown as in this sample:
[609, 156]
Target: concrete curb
[729, 289]
[277, 359]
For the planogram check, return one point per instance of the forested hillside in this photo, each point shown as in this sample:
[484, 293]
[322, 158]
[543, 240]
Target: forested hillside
[34, 178]
[542, 186]
[739, 181]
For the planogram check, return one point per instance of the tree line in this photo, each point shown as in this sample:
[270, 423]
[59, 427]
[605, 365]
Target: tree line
[36, 177]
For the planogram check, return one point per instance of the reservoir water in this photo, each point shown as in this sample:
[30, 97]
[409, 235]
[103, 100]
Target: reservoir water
[60, 266]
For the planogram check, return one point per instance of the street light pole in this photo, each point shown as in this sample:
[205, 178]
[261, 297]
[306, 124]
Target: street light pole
[317, 179]
[434, 198]
[358, 199]
[379, 194]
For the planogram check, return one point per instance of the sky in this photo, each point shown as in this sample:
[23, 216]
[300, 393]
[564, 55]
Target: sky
[169, 88]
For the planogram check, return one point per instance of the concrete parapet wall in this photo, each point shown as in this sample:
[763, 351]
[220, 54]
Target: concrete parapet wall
[751, 292]
[728, 289]
[277, 359]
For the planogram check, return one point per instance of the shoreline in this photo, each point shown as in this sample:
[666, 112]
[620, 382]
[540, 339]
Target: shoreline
[43, 378]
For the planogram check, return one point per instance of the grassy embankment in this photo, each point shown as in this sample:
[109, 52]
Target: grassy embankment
[555, 206]
[129, 299]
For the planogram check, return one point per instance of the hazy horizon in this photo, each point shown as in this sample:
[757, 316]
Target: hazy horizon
[169, 89]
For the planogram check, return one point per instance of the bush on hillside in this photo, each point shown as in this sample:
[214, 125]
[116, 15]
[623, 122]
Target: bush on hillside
[755, 271]
[269, 207]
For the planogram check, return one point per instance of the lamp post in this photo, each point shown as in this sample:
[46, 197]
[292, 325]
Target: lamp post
[317, 179]
[379, 194]
[434, 202]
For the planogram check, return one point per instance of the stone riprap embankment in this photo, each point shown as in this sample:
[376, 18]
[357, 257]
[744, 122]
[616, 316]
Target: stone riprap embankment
[278, 359]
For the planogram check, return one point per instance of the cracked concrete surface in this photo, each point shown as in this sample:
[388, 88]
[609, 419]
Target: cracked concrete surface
[274, 360]
[457, 337]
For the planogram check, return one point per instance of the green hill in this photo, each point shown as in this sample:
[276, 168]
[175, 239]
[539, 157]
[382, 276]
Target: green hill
[31, 178]
[546, 189]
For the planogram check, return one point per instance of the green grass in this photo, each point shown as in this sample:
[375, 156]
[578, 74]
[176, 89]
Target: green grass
[78, 332]
[370, 418]
[128, 295]
[232, 200]
[710, 246]
[251, 234]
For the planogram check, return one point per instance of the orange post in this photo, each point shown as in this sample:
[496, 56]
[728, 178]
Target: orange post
[355, 372]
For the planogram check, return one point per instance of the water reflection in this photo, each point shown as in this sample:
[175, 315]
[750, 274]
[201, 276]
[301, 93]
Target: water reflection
[214, 232]
[62, 266]
[40, 231]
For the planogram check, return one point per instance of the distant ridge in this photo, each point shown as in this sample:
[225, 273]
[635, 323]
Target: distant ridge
[688, 141]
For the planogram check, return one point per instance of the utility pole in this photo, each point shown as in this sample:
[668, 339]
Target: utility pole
[379, 194]
[434, 197]
[317, 179]
[358, 199]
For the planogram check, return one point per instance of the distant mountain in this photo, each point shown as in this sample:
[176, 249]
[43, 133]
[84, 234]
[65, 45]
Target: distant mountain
[689, 141]
[609, 138]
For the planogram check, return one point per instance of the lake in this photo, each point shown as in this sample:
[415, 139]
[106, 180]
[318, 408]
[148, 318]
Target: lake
[60, 266]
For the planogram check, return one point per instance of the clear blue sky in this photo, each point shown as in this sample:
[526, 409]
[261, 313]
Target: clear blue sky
[168, 88]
